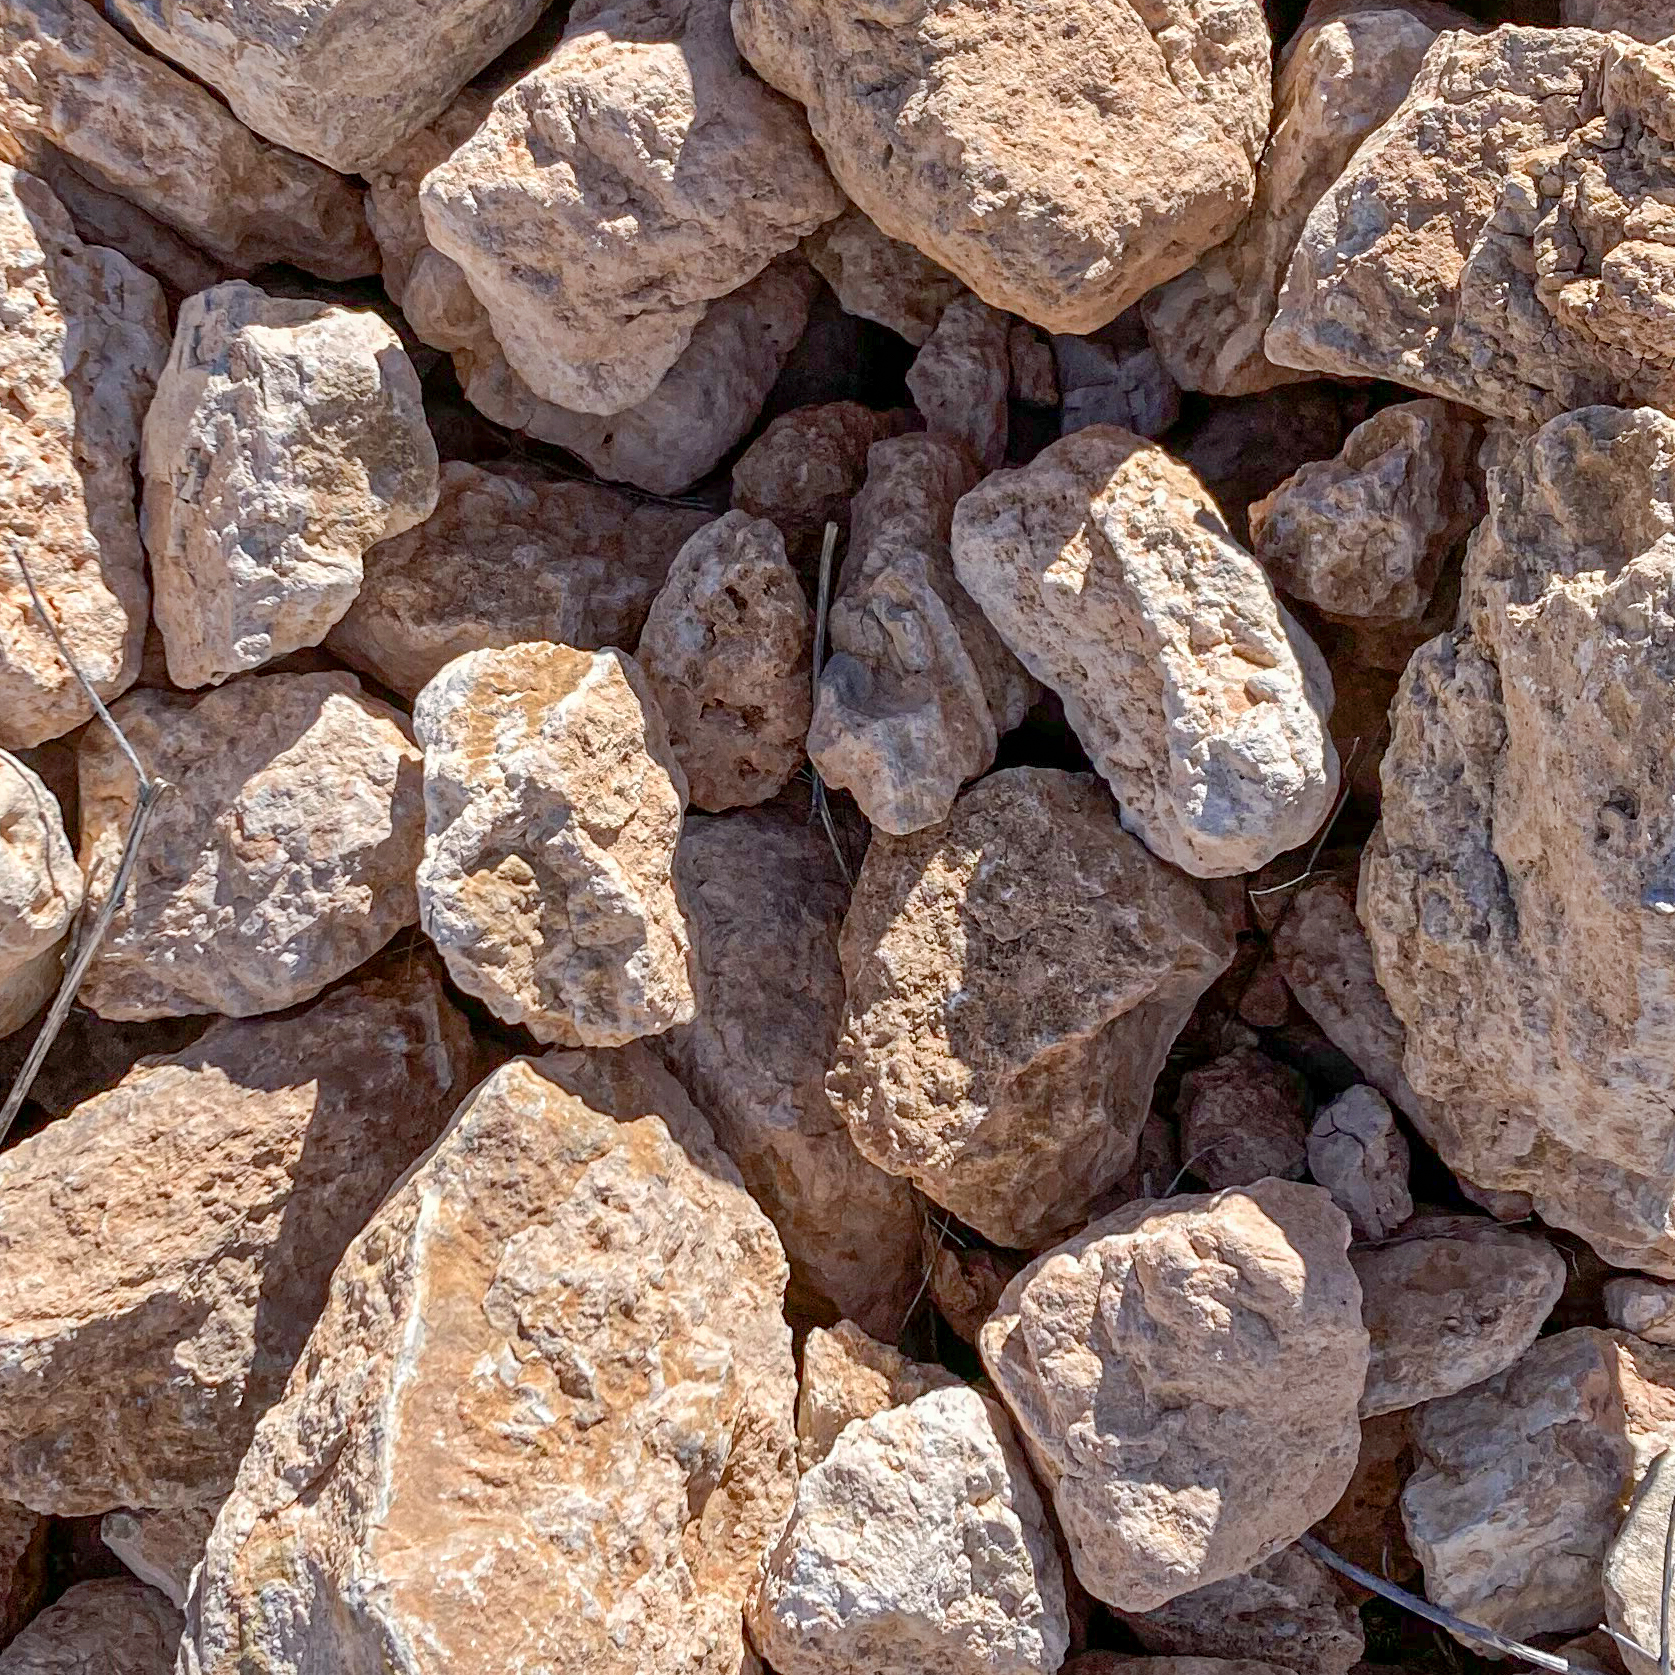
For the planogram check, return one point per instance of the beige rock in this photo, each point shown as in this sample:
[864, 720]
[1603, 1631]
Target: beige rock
[280, 860]
[553, 805]
[881, 278]
[1634, 1568]
[563, 1329]
[1356, 1151]
[23, 1566]
[918, 1541]
[973, 134]
[166, 1247]
[118, 1627]
[1645, 20]
[1645, 1307]
[917, 687]
[1015, 979]
[287, 437]
[1107, 569]
[961, 378]
[161, 1548]
[136, 128]
[1243, 1116]
[40, 892]
[85, 338]
[1365, 1526]
[765, 899]
[1185, 1374]
[508, 557]
[849, 1376]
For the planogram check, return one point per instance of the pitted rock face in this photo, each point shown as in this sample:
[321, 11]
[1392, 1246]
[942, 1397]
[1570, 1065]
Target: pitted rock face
[40, 891]
[960, 379]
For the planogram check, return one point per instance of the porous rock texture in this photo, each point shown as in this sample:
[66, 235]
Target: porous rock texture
[1359, 1154]
[117, 1626]
[1015, 978]
[880, 278]
[847, 1376]
[161, 1548]
[40, 891]
[1645, 20]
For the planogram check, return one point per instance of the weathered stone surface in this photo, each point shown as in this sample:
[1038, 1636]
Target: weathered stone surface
[86, 335]
[1645, 1307]
[23, 1566]
[965, 1281]
[118, 1627]
[1243, 1116]
[1106, 567]
[1034, 378]
[1645, 20]
[765, 899]
[1185, 1374]
[161, 1548]
[1135, 394]
[1356, 1151]
[1015, 978]
[974, 135]
[1634, 1579]
[1116, 1663]
[881, 278]
[918, 1541]
[961, 377]
[553, 805]
[917, 687]
[603, 1380]
[848, 1376]
[1365, 1526]
[40, 891]
[166, 1247]
[286, 438]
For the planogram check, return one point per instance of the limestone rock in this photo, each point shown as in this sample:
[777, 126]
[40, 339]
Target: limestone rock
[280, 860]
[973, 134]
[849, 1376]
[86, 336]
[40, 891]
[1645, 1307]
[765, 901]
[918, 1541]
[881, 278]
[563, 1327]
[287, 437]
[1185, 1374]
[1106, 567]
[1634, 1583]
[1015, 978]
[553, 805]
[917, 687]
[1645, 20]
[161, 1548]
[23, 1566]
[1356, 1151]
[1243, 1116]
[118, 1627]
[961, 377]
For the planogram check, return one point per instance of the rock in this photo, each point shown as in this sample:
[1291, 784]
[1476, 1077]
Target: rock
[40, 893]
[968, 1580]
[1015, 978]
[1242, 1117]
[1363, 537]
[118, 1627]
[23, 1567]
[881, 278]
[1491, 247]
[280, 860]
[1645, 20]
[553, 805]
[286, 438]
[508, 556]
[1338, 80]
[132, 126]
[765, 900]
[1365, 1526]
[975, 138]
[1185, 1374]
[1645, 1307]
[918, 688]
[1114, 1663]
[725, 651]
[965, 1280]
[961, 378]
[86, 336]
[1138, 395]
[1522, 1480]
[1034, 378]
[1215, 740]
[603, 1380]
[1517, 893]
[160, 1548]
[1449, 1303]
[1356, 1151]
[848, 1376]
[1634, 1568]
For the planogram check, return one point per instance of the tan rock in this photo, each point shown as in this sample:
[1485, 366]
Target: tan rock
[1214, 738]
[118, 1627]
[553, 805]
[961, 377]
[161, 1548]
[1357, 1152]
[603, 1381]
[1634, 1569]
[40, 892]
[1034, 378]
[1645, 20]
[1015, 979]
[1243, 1116]
[1645, 1307]
[23, 1566]
[965, 1281]
[1365, 1526]
[1185, 1374]
[849, 1376]
[881, 278]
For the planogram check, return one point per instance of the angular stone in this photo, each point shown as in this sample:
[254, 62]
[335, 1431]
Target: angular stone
[563, 1328]
[965, 1281]
[848, 1376]
[1138, 395]
[161, 1548]
[1634, 1569]
[1015, 979]
[1645, 1307]
[40, 892]
[1360, 1156]
[553, 805]
[23, 1566]
[1243, 1116]
[1185, 1374]
[881, 278]
[1034, 379]
[1214, 737]
[961, 378]
[117, 1626]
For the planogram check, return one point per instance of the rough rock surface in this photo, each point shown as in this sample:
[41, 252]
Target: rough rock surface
[881, 278]
[23, 1566]
[1185, 1374]
[961, 377]
[1645, 1307]
[1645, 20]
[1634, 1579]
[603, 1379]
[286, 438]
[1015, 978]
[1243, 1116]
[1108, 570]
[765, 900]
[1365, 1526]
[848, 1376]
[161, 1548]
[918, 1541]
[1356, 1151]
[117, 1627]
[552, 808]
[976, 135]
[40, 891]
[965, 1281]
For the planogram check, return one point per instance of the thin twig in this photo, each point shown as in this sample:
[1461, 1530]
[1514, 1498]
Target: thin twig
[822, 603]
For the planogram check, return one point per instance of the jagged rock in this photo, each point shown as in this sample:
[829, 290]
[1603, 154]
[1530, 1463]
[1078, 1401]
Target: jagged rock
[1128, 387]
[1185, 1374]
[1215, 738]
[553, 805]
[1448, 1303]
[1645, 20]
[40, 892]
[1338, 80]
[174, 1238]
[1243, 1116]
[918, 688]
[1356, 1151]
[1645, 1307]
[161, 1548]
[1365, 1526]
[603, 1380]
[281, 858]
[765, 899]
[118, 1627]
[1634, 1569]
[1491, 247]
[966, 1578]
[23, 1566]
[1034, 377]
[86, 335]
[961, 378]
[1015, 978]
[974, 137]
[286, 438]
[849, 1376]
[881, 278]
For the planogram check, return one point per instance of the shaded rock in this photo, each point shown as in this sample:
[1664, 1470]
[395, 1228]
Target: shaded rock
[23, 1566]
[881, 278]
[1116, 1663]
[1365, 1526]
[1357, 1152]
[1645, 20]
[161, 1548]
[1645, 1307]
[849, 1376]
[1015, 978]
[965, 1280]
[1242, 1117]
[1128, 387]
[40, 891]
[118, 1627]
[1034, 379]
[1634, 1568]
[961, 378]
